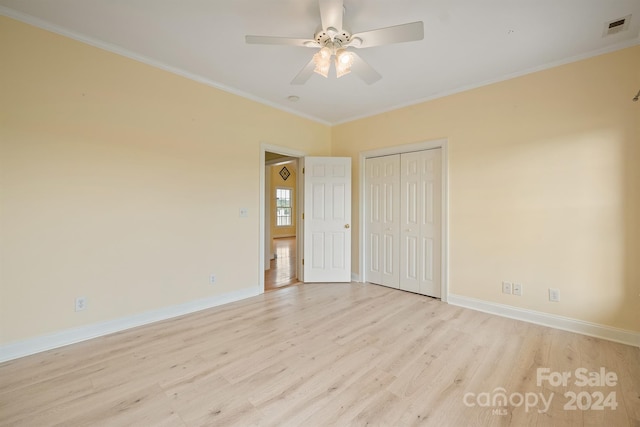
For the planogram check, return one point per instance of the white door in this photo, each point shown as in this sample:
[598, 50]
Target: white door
[420, 227]
[327, 219]
[382, 200]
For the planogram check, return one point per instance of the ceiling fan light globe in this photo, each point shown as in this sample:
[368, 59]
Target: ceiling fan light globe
[324, 72]
[325, 53]
[342, 68]
[322, 64]
[340, 73]
[344, 57]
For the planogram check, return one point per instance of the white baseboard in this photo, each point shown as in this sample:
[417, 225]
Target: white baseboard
[610, 333]
[355, 277]
[83, 333]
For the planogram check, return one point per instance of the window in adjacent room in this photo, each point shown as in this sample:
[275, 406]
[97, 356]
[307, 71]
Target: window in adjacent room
[283, 207]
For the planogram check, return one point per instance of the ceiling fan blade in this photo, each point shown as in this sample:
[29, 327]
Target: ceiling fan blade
[281, 41]
[304, 74]
[396, 34]
[364, 70]
[331, 12]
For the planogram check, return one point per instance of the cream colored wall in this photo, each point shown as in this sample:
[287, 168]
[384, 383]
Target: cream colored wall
[111, 172]
[278, 182]
[544, 185]
[112, 178]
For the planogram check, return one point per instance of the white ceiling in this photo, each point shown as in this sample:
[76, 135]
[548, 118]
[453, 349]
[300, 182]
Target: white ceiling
[467, 43]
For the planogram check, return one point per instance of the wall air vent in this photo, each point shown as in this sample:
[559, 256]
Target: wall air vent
[616, 26]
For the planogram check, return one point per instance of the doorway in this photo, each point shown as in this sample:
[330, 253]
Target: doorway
[329, 207]
[281, 195]
[289, 265]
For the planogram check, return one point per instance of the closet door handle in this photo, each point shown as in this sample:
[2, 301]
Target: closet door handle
[347, 226]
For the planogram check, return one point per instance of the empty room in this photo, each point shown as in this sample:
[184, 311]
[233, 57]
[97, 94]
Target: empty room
[319, 213]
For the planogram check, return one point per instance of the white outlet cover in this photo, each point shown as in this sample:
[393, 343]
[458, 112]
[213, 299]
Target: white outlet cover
[517, 289]
[506, 287]
[81, 303]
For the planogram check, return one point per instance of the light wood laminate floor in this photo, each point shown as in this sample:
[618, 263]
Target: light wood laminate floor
[282, 269]
[319, 355]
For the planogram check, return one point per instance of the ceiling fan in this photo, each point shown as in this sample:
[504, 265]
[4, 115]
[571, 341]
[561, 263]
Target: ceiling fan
[333, 41]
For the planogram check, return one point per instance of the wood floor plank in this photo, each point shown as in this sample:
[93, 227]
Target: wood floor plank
[309, 395]
[348, 405]
[317, 355]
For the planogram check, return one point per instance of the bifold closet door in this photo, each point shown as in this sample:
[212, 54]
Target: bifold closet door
[420, 229]
[382, 200]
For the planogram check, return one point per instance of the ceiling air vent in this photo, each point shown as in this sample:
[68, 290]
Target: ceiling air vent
[616, 26]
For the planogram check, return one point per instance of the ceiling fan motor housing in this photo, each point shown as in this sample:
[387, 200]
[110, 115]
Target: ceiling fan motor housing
[332, 35]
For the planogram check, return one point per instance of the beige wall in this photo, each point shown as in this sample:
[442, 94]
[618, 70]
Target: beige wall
[112, 180]
[112, 187]
[278, 182]
[544, 185]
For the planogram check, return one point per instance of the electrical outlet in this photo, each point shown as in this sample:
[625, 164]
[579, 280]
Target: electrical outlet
[212, 279]
[244, 212]
[506, 287]
[517, 289]
[554, 295]
[81, 303]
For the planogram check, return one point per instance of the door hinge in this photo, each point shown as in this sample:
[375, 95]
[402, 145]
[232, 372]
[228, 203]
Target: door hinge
[302, 261]
[302, 215]
[303, 170]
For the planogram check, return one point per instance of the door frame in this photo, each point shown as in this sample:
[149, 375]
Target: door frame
[264, 147]
[399, 149]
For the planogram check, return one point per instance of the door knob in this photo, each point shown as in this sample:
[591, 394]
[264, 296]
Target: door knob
[347, 226]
